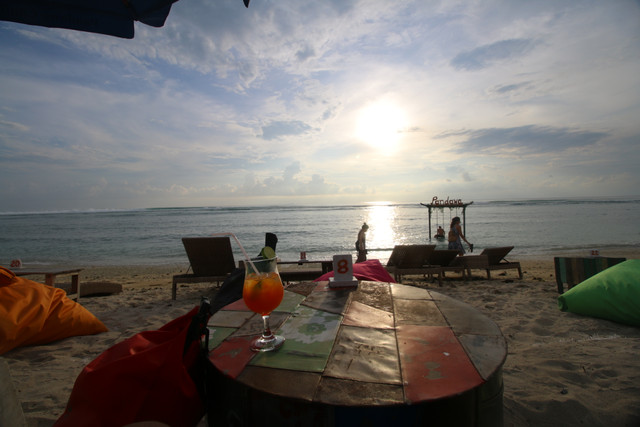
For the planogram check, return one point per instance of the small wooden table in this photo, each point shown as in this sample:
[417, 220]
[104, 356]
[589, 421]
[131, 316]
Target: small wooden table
[305, 274]
[50, 277]
[326, 265]
[382, 354]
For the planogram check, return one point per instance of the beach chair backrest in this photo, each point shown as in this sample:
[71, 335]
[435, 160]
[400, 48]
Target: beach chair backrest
[410, 256]
[209, 256]
[495, 255]
[394, 257]
[443, 257]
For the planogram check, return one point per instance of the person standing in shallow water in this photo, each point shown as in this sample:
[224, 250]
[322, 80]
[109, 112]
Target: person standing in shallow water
[456, 237]
[361, 243]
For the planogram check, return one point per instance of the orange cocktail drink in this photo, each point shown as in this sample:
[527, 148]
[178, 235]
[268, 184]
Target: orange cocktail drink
[262, 292]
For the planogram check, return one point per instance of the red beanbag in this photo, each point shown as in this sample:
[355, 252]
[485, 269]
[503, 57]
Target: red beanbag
[33, 313]
[370, 270]
[148, 377]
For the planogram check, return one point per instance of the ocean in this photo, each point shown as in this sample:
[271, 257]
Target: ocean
[537, 228]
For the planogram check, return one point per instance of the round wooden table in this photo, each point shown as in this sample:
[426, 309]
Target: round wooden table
[379, 354]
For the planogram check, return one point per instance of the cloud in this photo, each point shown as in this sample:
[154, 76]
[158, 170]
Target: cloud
[278, 129]
[294, 181]
[305, 53]
[503, 89]
[13, 125]
[484, 56]
[524, 140]
[291, 171]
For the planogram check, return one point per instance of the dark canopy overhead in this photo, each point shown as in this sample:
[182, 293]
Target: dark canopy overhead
[110, 17]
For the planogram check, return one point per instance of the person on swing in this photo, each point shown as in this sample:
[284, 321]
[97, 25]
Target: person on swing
[456, 237]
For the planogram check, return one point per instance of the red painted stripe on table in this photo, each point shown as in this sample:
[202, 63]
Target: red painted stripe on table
[232, 355]
[434, 364]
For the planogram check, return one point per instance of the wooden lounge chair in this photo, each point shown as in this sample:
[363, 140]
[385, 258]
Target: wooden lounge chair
[573, 271]
[446, 260]
[488, 260]
[412, 259]
[210, 258]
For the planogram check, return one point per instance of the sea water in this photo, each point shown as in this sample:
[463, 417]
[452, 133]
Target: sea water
[153, 236]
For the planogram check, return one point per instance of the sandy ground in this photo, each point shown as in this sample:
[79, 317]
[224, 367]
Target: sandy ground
[561, 370]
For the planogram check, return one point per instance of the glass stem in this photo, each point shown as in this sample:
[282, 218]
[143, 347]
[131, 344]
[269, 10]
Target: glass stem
[267, 330]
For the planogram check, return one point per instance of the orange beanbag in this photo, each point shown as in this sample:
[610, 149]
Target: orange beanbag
[33, 313]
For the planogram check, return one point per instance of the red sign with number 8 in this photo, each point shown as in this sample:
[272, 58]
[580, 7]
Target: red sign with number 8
[343, 266]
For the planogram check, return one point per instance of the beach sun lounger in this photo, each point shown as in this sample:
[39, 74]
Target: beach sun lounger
[412, 259]
[489, 259]
[445, 259]
[211, 260]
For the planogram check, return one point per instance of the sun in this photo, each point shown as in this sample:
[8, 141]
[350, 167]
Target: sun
[380, 125]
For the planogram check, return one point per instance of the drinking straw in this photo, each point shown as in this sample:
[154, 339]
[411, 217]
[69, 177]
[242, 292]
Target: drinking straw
[246, 256]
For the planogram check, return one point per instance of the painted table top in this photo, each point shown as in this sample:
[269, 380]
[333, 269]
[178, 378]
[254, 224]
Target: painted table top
[379, 344]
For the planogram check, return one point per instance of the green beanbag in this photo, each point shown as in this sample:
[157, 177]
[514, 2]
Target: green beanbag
[612, 294]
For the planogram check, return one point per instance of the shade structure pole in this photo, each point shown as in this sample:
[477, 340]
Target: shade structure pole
[429, 223]
[464, 220]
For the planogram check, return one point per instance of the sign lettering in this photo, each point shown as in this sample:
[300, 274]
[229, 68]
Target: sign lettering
[446, 202]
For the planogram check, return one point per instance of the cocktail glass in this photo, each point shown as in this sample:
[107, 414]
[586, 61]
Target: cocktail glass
[262, 293]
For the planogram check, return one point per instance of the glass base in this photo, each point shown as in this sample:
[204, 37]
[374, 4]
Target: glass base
[271, 343]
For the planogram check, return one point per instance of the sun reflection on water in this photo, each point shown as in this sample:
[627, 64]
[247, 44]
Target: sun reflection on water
[381, 218]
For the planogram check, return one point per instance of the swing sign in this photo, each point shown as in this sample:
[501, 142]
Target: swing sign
[446, 202]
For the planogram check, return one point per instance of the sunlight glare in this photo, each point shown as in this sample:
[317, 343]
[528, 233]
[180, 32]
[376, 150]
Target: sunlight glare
[381, 219]
[380, 125]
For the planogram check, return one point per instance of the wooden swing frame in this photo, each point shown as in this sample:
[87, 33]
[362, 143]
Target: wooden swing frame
[451, 204]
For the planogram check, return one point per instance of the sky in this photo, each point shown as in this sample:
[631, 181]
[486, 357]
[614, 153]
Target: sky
[324, 102]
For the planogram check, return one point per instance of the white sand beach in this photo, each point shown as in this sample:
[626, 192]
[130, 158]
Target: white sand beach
[561, 370]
